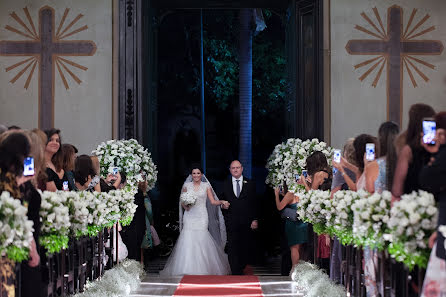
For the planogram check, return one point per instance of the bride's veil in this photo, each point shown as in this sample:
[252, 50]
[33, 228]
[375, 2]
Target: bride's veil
[216, 223]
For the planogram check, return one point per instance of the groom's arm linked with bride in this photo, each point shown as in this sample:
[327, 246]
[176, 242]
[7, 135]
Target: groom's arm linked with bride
[240, 218]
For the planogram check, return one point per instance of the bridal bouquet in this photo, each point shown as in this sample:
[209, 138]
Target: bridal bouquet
[188, 198]
[16, 231]
[288, 159]
[55, 217]
[130, 157]
[412, 220]
[371, 214]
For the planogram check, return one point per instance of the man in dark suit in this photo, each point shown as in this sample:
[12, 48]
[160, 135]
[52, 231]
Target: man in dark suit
[240, 217]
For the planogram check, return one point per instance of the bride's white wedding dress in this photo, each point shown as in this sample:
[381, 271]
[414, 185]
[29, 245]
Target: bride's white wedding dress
[196, 252]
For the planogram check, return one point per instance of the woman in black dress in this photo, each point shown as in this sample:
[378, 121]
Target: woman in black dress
[432, 179]
[57, 179]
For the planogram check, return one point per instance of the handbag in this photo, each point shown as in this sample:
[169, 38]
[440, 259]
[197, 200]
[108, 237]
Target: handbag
[289, 213]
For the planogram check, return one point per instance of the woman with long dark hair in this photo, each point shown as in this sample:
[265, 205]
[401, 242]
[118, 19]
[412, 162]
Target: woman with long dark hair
[379, 173]
[432, 179]
[295, 230]
[412, 156]
[57, 179]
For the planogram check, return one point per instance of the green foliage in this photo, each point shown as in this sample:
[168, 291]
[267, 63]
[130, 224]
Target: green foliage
[17, 254]
[270, 85]
[410, 260]
[54, 243]
[222, 75]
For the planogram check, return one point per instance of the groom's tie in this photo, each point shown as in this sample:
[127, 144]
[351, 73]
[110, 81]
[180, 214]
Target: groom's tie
[237, 188]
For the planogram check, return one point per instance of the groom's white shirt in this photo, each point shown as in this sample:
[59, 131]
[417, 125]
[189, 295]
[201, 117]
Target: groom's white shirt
[234, 184]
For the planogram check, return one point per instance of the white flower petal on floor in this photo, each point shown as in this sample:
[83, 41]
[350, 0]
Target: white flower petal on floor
[314, 281]
[118, 281]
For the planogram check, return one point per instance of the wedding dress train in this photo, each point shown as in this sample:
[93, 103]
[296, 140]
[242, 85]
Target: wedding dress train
[196, 251]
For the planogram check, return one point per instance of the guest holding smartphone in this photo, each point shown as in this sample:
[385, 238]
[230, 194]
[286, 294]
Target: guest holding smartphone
[319, 178]
[340, 184]
[432, 179]
[412, 156]
[295, 230]
[85, 176]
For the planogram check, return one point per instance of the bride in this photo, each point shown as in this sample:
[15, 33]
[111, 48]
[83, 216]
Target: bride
[200, 247]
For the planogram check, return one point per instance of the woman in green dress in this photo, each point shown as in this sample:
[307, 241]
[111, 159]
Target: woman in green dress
[295, 230]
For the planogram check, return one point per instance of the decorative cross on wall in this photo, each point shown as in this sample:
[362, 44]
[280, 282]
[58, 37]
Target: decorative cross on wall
[46, 49]
[396, 48]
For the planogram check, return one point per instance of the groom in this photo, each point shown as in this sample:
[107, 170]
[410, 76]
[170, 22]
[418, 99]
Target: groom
[240, 217]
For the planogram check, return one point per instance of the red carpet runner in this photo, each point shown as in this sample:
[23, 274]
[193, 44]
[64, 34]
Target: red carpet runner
[219, 285]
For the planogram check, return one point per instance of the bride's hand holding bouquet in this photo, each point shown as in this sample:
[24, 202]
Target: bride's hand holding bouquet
[187, 199]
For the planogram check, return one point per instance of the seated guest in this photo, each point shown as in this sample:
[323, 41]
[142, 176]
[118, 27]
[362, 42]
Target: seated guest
[57, 179]
[69, 152]
[84, 175]
[112, 182]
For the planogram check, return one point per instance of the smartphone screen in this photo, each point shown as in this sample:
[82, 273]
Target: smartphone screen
[115, 170]
[28, 166]
[429, 130]
[337, 156]
[65, 186]
[304, 173]
[370, 151]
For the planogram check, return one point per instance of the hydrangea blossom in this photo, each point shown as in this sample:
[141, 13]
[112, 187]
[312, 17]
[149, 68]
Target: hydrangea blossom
[370, 217]
[16, 231]
[54, 213]
[130, 157]
[412, 220]
[288, 159]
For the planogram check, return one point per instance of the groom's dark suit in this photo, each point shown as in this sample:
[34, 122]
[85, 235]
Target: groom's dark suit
[238, 219]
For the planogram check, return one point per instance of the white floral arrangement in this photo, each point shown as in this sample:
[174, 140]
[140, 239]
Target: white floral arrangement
[125, 202]
[371, 214]
[79, 213]
[130, 157]
[412, 220]
[188, 198]
[341, 222]
[315, 282]
[16, 231]
[288, 159]
[113, 213]
[54, 213]
[97, 210]
[121, 280]
[90, 212]
[315, 207]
